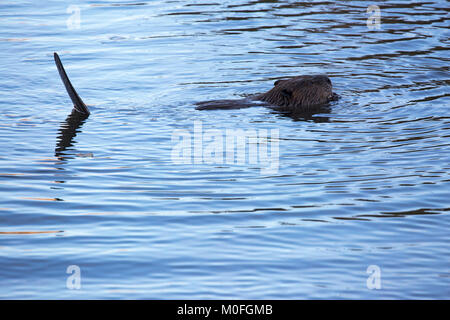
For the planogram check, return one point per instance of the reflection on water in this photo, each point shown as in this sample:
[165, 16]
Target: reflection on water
[316, 116]
[363, 182]
[68, 131]
[407, 213]
[28, 232]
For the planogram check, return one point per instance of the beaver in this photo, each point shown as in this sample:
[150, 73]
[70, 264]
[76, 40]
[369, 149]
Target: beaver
[307, 93]
[297, 94]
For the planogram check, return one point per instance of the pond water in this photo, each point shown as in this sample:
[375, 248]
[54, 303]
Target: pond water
[145, 200]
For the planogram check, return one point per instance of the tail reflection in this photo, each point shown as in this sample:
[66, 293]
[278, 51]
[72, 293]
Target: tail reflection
[68, 130]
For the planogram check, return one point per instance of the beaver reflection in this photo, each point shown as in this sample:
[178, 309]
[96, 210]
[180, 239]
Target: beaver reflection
[68, 131]
[297, 95]
[318, 116]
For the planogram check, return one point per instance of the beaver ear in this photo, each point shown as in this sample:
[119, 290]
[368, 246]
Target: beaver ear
[286, 93]
[277, 82]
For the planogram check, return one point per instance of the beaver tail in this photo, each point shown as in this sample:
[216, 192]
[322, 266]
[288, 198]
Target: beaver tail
[78, 104]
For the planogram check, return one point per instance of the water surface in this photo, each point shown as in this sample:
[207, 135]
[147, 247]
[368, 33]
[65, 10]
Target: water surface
[364, 184]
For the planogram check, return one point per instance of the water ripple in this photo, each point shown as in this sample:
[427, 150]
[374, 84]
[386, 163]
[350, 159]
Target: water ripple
[363, 183]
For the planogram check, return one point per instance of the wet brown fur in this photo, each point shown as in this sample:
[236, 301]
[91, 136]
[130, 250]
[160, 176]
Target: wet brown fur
[302, 93]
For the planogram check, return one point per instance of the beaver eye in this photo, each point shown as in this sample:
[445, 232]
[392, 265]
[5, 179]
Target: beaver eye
[286, 93]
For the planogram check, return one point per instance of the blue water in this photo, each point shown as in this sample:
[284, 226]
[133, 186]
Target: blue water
[365, 184]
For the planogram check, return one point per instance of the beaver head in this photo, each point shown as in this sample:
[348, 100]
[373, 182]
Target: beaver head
[300, 93]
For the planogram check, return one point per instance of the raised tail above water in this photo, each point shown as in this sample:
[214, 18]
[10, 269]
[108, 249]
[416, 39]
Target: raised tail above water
[78, 104]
